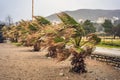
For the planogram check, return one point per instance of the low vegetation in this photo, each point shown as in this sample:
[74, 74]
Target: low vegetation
[61, 41]
[110, 43]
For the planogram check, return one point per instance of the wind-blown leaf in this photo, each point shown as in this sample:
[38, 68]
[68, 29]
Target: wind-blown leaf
[42, 21]
[66, 19]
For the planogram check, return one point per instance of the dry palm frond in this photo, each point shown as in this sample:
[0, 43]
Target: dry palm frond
[63, 54]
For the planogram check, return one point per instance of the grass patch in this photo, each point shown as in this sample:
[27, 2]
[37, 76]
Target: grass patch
[110, 44]
[17, 44]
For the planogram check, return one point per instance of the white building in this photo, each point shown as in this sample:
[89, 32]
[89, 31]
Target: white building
[101, 20]
[55, 22]
[114, 19]
[81, 20]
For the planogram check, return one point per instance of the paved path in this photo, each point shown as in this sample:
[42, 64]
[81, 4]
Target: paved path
[107, 51]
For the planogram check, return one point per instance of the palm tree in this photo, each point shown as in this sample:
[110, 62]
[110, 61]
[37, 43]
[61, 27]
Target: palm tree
[41, 23]
[72, 33]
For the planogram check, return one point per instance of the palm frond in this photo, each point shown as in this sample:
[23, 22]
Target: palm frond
[66, 19]
[42, 21]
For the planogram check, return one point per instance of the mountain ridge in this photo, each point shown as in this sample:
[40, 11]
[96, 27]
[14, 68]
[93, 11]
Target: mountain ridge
[91, 14]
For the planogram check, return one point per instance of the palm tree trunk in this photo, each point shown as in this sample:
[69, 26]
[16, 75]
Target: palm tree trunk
[78, 63]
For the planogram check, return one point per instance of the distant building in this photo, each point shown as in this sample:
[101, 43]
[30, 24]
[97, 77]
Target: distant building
[55, 22]
[114, 19]
[101, 20]
[81, 20]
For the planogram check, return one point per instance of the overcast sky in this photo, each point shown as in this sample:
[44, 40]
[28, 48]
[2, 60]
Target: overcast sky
[21, 9]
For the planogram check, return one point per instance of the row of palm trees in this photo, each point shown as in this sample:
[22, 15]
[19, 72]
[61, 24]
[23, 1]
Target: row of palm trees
[61, 40]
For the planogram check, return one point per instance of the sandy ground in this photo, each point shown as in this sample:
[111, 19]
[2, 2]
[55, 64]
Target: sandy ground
[19, 63]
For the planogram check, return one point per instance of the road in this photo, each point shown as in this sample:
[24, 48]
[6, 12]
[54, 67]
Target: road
[107, 51]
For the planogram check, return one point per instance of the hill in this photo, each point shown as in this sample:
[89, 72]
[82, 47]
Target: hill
[91, 14]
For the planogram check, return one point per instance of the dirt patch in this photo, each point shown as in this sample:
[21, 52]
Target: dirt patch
[20, 63]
